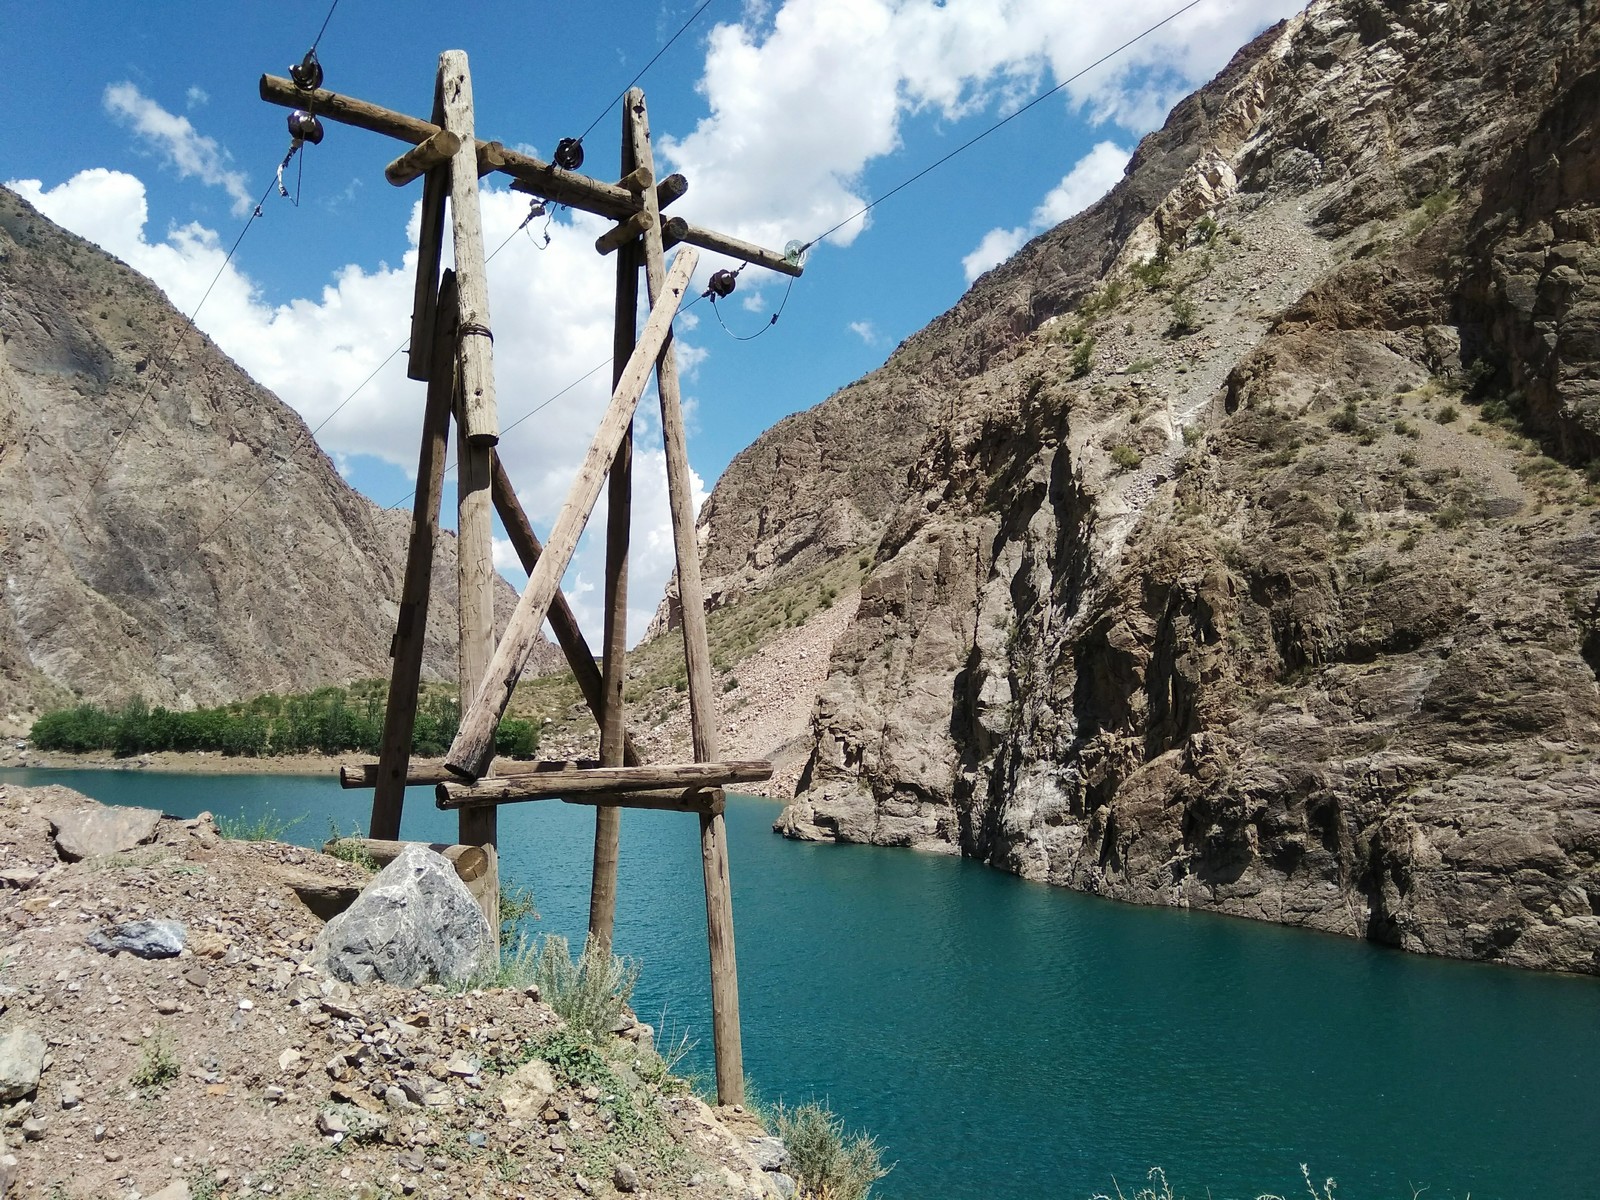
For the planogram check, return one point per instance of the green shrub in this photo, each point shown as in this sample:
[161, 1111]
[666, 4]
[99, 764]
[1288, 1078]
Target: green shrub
[589, 994]
[1082, 359]
[1185, 316]
[1125, 457]
[826, 1163]
[158, 1062]
[1347, 419]
[265, 826]
[516, 738]
[1446, 414]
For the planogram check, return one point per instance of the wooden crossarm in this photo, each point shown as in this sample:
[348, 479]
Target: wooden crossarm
[598, 782]
[474, 744]
[542, 178]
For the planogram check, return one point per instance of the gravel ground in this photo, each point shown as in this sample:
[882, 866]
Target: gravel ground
[236, 1069]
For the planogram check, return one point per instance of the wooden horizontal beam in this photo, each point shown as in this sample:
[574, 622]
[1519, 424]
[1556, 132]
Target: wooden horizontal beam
[365, 774]
[706, 801]
[564, 187]
[706, 239]
[674, 187]
[605, 782]
[622, 233]
[542, 178]
[422, 158]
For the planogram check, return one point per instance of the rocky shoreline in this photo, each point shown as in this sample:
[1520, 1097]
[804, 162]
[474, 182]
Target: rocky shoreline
[166, 1033]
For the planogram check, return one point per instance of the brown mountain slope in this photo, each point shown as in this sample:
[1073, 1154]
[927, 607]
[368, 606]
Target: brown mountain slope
[1230, 546]
[134, 582]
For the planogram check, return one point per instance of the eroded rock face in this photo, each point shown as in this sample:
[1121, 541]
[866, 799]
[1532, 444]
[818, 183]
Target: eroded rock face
[168, 528]
[1248, 561]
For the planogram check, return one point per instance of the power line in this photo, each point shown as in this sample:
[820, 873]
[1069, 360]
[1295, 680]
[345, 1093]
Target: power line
[1006, 120]
[694, 16]
[318, 41]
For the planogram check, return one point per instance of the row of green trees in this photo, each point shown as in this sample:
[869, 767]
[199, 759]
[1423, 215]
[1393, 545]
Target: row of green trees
[329, 721]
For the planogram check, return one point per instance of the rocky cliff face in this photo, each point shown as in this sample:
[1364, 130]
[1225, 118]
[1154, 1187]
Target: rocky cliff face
[167, 527]
[1234, 547]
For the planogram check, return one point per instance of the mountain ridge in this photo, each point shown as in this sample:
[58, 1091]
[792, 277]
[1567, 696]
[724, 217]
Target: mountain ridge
[1231, 548]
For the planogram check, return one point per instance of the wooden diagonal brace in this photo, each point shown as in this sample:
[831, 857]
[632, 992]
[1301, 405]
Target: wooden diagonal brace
[473, 748]
[562, 620]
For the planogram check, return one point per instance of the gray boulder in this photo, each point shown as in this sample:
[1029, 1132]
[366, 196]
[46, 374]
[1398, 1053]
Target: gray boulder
[21, 1060]
[145, 938]
[91, 832]
[414, 923]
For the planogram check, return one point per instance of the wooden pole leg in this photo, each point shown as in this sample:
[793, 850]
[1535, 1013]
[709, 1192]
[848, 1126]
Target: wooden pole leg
[724, 970]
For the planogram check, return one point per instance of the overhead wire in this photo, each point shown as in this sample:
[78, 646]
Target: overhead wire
[693, 17]
[1004, 121]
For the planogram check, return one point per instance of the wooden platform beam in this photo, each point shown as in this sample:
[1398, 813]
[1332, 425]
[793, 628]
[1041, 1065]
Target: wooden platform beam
[598, 781]
[474, 744]
[354, 776]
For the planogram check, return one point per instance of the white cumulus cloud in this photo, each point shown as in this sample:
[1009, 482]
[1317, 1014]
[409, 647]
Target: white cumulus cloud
[178, 141]
[1095, 174]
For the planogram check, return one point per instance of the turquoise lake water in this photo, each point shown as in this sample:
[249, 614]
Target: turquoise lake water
[1006, 1039]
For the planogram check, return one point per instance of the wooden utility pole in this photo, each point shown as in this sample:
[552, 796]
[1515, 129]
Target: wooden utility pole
[477, 420]
[474, 744]
[452, 348]
[405, 676]
[697, 655]
[619, 521]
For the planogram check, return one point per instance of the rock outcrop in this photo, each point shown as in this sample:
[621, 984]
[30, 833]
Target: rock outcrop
[1231, 545]
[168, 527]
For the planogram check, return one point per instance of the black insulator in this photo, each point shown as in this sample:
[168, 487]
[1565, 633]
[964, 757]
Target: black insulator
[569, 154]
[722, 284]
[305, 127]
[307, 75]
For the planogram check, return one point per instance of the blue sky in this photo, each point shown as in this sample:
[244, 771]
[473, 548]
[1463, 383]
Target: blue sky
[786, 117]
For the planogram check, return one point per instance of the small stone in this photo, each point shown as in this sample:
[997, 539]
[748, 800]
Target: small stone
[113, 1156]
[33, 1128]
[21, 1059]
[99, 1134]
[696, 1180]
[178, 1189]
[197, 977]
[625, 1178]
[288, 1059]
[331, 1122]
[246, 1005]
[461, 1066]
[769, 1153]
[785, 1184]
[477, 1138]
[584, 1185]
[591, 1093]
[394, 1097]
[166, 1006]
[19, 878]
[272, 1093]
[71, 1094]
